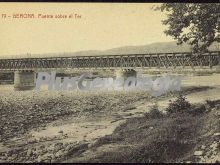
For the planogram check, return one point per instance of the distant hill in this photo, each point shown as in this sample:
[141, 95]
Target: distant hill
[159, 47]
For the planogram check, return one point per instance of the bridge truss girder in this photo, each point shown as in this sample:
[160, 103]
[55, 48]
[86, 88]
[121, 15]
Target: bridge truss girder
[162, 60]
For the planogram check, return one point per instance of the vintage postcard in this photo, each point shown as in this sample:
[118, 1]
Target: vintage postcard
[109, 82]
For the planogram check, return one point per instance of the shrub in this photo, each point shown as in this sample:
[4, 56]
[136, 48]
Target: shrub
[198, 109]
[179, 105]
[212, 103]
[154, 112]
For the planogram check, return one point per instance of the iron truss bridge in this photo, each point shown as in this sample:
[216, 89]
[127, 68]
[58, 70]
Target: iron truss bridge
[159, 60]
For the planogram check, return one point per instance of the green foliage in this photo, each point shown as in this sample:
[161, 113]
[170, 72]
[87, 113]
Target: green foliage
[179, 105]
[197, 24]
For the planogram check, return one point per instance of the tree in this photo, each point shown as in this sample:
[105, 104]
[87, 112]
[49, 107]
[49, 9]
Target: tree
[197, 24]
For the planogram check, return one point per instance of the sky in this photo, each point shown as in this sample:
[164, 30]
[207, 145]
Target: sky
[98, 26]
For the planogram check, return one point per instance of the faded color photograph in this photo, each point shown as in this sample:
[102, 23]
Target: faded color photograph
[109, 82]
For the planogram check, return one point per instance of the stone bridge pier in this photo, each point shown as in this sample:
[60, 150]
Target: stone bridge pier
[125, 73]
[24, 80]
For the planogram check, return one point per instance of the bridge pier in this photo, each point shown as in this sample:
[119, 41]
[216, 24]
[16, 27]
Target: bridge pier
[24, 80]
[125, 73]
